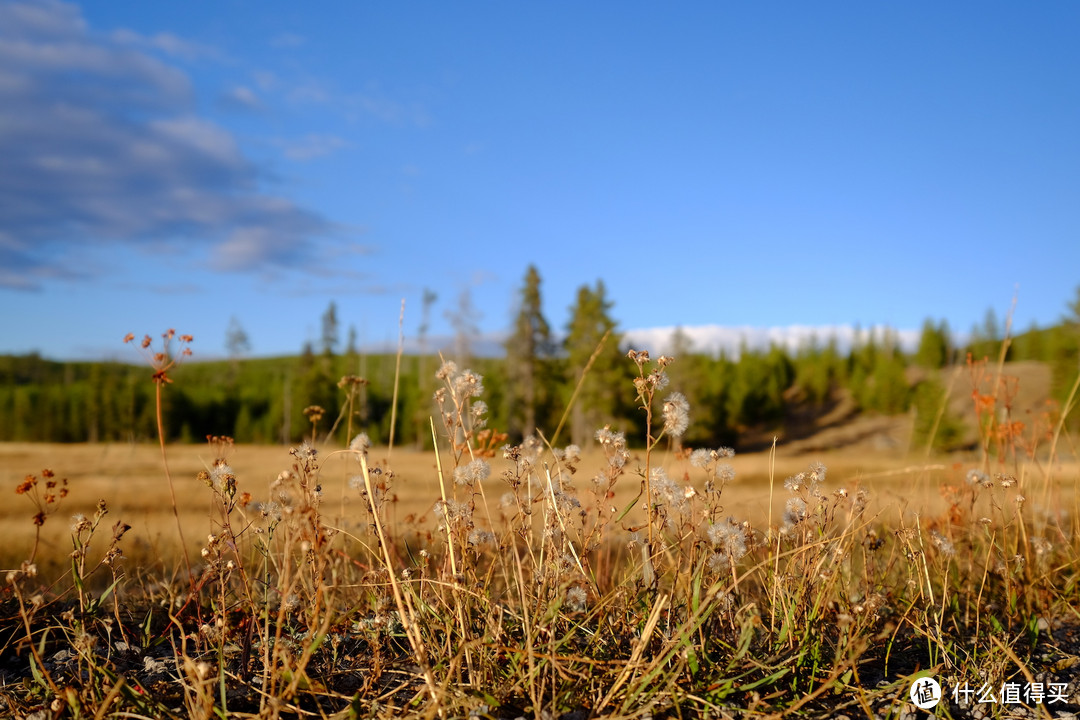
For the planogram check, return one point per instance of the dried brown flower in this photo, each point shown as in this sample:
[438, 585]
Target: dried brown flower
[26, 485]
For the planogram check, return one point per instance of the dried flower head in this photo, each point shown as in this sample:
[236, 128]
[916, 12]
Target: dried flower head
[477, 411]
[447, 370]
[481, 538]
[468, 384]
[666, 491]
[700, 458]
[164, 360]
[676, 414]
[794, 511]
[942, 543]
[26, 485]
[305, 452]
[728, 537]
[361, 444]
[271, 511]
[472, 473]
[575, 599]
[658, 380]
[609, 438]
[614, 445]
[795, 482]
[79, 523]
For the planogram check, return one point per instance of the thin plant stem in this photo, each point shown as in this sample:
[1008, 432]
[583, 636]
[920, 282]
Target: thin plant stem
[168, 476]
[407, 616]
[397, 379]
[649, 442]
[442, 490]
[577, 389]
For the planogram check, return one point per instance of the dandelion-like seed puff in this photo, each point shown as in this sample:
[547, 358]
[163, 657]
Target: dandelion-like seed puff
[676, 414]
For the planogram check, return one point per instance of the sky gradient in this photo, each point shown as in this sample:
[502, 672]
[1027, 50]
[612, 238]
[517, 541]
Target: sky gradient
[733, 169]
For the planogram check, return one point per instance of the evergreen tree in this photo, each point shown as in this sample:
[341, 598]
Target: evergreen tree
[986, 338]
[817, 370]
[1072, 319]
[861, 365]
[991, 326]
[1064, 351]
[717, 424]
[884, 387]
[527, 350]
[463, 320]
[1029, 345]
[424, 374]
[597, 402]
[936, 428]
[237, 342]
[889, 387]
[317, 386]
[757, 389]
[935, 346]
[95, 406]
[330, 339]
[351, 347]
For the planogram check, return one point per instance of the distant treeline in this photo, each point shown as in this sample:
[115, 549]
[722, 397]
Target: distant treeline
[731, 398]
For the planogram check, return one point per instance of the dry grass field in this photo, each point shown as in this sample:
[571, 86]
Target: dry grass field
[129, 477]
[629, 580]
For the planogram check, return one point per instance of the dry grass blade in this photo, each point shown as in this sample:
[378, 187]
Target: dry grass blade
[577, 388]
[640, 645]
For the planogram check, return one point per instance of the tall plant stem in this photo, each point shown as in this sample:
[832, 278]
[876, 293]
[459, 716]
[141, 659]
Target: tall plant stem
[649, 442]
[397, 379]
[168, 476]
[577, 388]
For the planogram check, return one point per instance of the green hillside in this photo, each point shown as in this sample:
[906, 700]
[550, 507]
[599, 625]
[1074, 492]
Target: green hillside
[740, 401]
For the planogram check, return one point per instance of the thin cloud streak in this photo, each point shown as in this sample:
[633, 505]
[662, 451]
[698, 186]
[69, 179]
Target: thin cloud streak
[240, 98]
[166, 43]
[717, 339]
[706, 339]
[311, 146]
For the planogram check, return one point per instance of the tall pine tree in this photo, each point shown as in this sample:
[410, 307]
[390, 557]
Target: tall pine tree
[935, 345]
[597, 402]
[528, 349]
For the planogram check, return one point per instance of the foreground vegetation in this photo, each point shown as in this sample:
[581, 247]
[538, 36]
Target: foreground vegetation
[536, 594]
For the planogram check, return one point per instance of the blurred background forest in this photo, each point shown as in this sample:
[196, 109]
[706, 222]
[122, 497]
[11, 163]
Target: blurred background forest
[741, 400]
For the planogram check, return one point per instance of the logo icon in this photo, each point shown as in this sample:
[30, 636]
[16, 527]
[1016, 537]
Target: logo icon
[925, 693]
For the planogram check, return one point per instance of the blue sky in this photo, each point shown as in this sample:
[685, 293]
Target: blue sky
[726, 167]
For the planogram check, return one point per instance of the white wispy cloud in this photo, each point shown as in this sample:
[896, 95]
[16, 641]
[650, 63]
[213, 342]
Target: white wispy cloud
[311, 146]
[706, 339]
[164, 42]
[240, 97]
[102, 144]
[714, 339]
